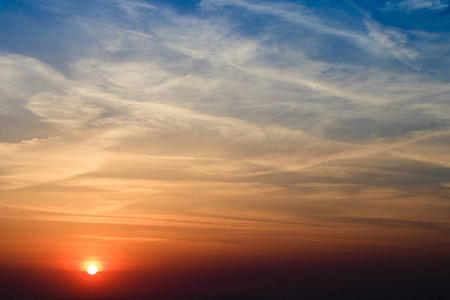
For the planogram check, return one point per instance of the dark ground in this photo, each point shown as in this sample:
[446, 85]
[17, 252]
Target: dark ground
[389, 280]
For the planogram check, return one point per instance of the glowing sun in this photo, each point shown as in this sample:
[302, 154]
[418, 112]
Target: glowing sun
[92, 270]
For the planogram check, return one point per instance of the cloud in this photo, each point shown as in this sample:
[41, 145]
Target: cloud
[385, 222]
[377, 41]
[121, 239]
[204, 120]
[293, 13]
[392, 41]
[410, 5]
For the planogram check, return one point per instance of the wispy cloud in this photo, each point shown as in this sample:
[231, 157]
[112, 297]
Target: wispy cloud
[213, 122]
[410, 5]
[391, 40]
[384, 222]
[376, 41]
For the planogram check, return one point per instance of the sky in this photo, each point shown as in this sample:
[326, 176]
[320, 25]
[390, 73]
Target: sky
[225, 147]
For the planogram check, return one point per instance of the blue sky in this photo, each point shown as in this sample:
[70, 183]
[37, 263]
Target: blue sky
[340, 31]
[333, 113]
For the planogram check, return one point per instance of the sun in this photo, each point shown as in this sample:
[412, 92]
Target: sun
[92, 270]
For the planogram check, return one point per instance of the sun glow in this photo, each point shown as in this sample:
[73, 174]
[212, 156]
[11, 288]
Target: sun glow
[92, 270]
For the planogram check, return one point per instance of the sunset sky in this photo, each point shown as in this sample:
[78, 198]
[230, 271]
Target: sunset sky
[223, 147]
